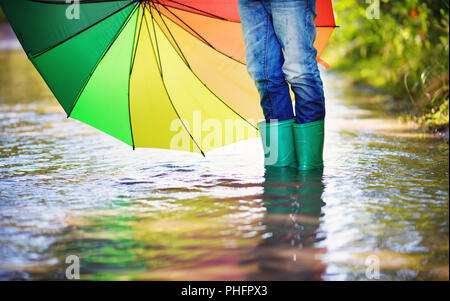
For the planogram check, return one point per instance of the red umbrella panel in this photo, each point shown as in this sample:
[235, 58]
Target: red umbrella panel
[216, 22]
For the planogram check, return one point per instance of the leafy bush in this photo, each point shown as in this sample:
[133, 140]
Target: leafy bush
[405, 52]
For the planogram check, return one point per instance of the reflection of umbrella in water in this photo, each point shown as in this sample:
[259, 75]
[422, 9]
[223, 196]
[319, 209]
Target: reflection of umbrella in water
[157, 74]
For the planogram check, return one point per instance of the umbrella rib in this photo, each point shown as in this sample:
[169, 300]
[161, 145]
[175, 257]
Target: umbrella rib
[133, 55]
[137, 44]
[212, 92]
[187, 25]
[65, 2]
[102, 57]
[207, 14]
[164, 84]
[38, 54]
[199, 36]
[175, 41]
[159, 63]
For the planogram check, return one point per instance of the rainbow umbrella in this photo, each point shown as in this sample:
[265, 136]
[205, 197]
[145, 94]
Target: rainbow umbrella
[154, 74]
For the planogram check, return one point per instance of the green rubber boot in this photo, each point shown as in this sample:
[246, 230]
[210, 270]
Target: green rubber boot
[278, 143]
[309, 140]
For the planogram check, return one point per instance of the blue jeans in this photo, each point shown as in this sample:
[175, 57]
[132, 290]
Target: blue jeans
[271, 27]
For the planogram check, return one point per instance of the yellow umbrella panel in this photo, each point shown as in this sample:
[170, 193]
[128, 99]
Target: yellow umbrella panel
[173, 107]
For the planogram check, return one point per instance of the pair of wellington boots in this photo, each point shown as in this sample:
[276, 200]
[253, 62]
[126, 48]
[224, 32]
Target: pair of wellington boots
[287, 144]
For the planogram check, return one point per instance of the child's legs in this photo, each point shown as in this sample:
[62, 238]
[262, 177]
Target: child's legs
[293, 23]
[265, 59]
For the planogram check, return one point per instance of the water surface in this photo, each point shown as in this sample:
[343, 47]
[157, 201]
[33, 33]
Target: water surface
[67, 189]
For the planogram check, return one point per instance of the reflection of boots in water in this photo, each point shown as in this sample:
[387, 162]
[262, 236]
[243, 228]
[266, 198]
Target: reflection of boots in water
[294, 203]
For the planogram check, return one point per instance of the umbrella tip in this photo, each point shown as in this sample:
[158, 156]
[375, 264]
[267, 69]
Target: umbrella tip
[203, 154]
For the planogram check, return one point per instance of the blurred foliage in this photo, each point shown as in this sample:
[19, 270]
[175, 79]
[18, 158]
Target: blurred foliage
[405, 52]
[2, 16]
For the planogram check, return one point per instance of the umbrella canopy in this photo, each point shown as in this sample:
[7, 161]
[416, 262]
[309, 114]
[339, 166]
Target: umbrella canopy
[154, 74]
